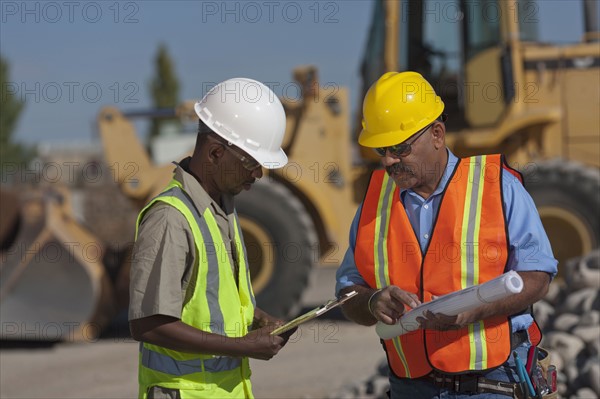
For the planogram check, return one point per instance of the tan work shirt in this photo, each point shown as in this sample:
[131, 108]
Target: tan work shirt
[164, 253]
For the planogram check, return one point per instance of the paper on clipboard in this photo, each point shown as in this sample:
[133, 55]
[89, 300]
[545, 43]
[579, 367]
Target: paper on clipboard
[316, 312]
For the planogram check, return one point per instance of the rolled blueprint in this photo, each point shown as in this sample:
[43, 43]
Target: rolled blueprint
[501, 287]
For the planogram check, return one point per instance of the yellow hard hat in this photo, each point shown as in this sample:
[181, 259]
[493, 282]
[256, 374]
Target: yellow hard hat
[397, 106]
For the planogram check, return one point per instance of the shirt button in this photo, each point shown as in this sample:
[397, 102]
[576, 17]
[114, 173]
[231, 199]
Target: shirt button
[426, 236]
[426, 206]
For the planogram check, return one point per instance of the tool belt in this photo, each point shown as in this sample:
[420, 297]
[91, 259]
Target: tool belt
[468, 383]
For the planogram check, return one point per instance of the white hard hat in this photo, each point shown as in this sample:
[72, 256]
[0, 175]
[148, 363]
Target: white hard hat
[249, 115]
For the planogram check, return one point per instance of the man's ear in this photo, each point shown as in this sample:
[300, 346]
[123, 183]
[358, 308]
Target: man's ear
[215, 153]
[439, 135]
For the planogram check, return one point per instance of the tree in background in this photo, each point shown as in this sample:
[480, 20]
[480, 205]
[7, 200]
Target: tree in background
[164, 88]
[10, 109]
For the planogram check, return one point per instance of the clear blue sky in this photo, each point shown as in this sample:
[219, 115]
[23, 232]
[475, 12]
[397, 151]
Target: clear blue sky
[67, 59]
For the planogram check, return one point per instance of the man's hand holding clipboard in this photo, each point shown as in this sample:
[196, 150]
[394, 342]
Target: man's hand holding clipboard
[316, 312]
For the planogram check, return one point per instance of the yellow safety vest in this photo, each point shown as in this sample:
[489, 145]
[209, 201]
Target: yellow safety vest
[216, 305]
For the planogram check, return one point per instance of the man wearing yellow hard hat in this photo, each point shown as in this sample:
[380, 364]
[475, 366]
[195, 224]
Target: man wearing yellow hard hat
[431, 224]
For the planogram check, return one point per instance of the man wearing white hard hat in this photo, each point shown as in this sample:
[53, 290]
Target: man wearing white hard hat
[192, 307]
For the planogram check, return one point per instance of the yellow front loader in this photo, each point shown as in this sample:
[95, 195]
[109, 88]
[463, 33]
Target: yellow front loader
[504, 92]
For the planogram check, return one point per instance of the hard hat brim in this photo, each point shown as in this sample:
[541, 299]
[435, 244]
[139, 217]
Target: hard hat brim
[377, 140]
[271, 160]
[385, 139]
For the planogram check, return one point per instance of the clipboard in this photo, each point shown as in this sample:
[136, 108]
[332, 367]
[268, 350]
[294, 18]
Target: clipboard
[316, 312]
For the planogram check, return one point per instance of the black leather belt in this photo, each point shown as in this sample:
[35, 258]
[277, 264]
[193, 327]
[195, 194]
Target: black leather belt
[469, 383]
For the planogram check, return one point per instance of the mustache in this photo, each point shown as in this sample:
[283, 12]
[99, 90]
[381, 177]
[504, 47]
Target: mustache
[398, 168]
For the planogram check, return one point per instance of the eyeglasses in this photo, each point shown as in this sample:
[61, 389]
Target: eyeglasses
[247, 161]
[402, 149]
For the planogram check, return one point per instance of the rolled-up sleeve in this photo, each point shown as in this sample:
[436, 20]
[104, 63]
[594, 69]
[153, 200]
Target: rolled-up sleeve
[160, 258]
[530, 248]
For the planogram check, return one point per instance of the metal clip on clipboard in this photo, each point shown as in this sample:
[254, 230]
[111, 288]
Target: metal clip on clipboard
[316, 312]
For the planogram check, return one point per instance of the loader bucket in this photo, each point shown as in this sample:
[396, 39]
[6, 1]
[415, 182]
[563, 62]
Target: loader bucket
[53, 285]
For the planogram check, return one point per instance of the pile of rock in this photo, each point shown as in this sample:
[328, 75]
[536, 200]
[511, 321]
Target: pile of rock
[570, 319]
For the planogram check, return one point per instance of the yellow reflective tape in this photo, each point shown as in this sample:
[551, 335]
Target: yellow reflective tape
[473, 363]
[464, 252]
[464, 255]
[376, 232]
[381, 231]
[387, 227]
[476, 335]
[400, 352]
[478, 220]
[484, 357]
[382, 220]
[472, 353]
[482, 336]
[196, 303]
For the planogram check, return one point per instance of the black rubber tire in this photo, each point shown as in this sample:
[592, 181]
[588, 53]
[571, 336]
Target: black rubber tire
[10, 219]
[273, 209]
[573, 189]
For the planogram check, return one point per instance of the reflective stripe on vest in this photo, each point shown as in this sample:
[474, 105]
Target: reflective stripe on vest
[216, 315]
[382, 225]
[248, 280]
[388, 252]
[166, 364]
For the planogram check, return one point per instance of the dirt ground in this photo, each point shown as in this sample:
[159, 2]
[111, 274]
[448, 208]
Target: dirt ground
[322, 357]
[319, 360]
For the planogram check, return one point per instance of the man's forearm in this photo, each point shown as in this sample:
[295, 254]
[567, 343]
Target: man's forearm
[535, 287]
[172, 333]
[356, 309]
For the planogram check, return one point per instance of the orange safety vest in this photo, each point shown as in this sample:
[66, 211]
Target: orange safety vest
[468, 246]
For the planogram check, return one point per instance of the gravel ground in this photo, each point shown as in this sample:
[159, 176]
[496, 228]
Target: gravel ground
[320, 359]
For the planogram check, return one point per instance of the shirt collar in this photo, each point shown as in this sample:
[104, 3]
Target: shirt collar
[199, 196]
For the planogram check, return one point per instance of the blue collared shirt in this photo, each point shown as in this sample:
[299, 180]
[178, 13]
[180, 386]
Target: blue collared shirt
[529, 247]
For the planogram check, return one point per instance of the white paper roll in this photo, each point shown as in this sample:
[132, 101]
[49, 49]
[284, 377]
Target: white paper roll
[501, 287]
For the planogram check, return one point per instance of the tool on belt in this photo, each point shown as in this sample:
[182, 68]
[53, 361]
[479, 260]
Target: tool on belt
[537, 379]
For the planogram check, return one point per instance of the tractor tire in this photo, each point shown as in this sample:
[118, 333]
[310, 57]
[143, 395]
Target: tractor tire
[281, 241]
[10, 219]
[567, 195]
